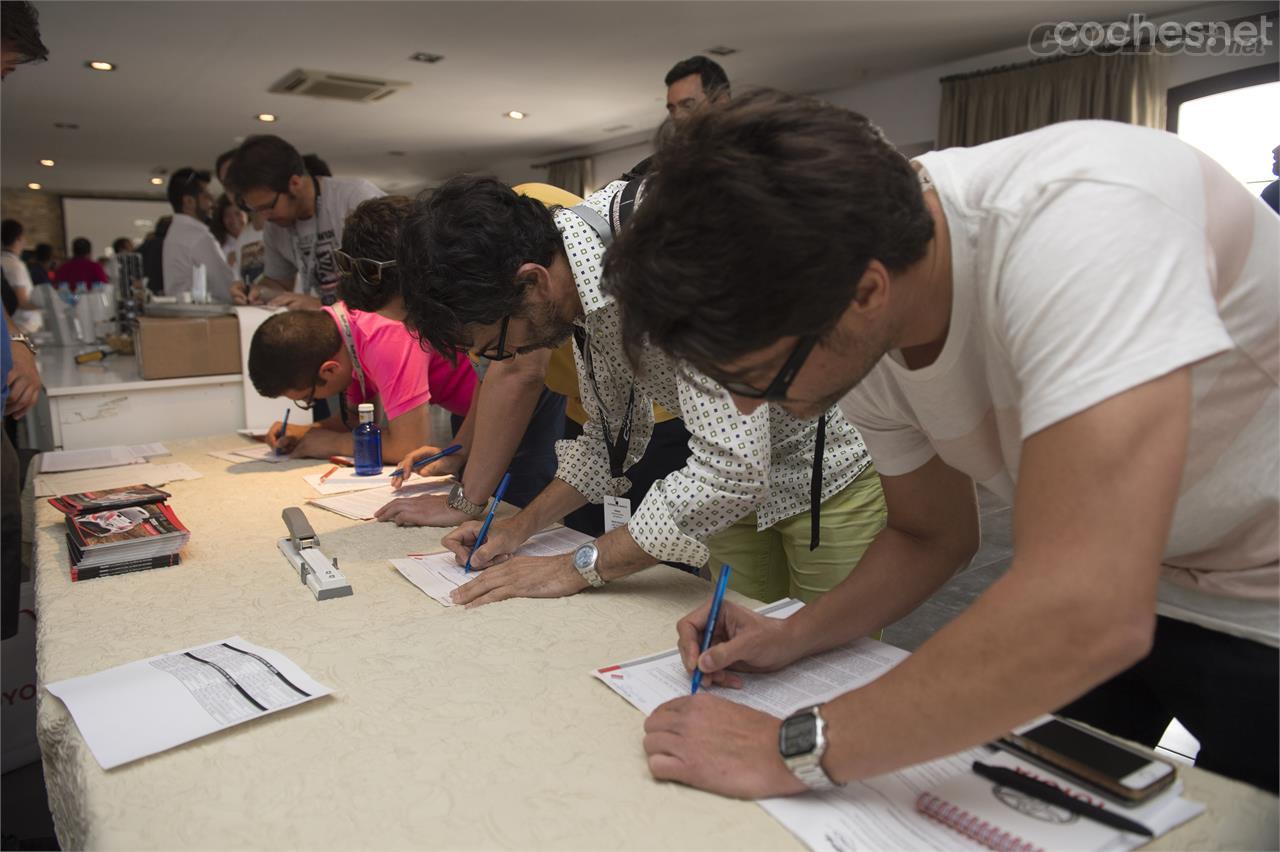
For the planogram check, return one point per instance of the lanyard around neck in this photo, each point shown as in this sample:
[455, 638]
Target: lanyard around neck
[344, 325]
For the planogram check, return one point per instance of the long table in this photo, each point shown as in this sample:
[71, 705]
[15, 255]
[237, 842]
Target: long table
[448, 728]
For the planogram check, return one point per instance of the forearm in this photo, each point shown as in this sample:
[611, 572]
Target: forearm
[551, 505]
[1024, 648]
[620, 555]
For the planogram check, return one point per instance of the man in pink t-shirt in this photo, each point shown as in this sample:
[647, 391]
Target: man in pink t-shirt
[310, 355]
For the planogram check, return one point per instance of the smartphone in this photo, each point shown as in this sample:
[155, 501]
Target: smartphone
[1115, 770]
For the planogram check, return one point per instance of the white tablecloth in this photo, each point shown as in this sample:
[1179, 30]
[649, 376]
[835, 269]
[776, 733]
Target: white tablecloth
[448, 728]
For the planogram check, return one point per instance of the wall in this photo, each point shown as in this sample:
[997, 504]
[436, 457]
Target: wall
[103, 220]
[40, 214]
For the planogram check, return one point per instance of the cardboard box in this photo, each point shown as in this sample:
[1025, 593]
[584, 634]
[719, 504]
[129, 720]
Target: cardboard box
[173, 347]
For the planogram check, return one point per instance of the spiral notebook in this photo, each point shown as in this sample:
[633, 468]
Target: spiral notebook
[1007, 820]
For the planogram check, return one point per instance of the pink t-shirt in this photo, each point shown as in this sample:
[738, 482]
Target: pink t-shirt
[397, 370]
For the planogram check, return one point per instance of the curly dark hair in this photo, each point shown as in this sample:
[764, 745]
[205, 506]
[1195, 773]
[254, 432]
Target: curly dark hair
[458, 256]
[757, 223]
[21, 31]
[372, 230]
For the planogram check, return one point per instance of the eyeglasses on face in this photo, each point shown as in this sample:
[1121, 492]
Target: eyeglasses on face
[308, 403]
[776, 389]
[498, 352]
[366, 269]
[244, 205]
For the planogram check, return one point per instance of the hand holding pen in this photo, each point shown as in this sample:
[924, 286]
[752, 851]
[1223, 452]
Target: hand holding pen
[399, 473]
[488, 520]
[710, 630]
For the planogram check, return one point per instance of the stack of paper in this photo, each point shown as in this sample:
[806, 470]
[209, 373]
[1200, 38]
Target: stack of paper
[99, 457]
[363, 505]
[57, 484]
[346, 479]
[257, 452]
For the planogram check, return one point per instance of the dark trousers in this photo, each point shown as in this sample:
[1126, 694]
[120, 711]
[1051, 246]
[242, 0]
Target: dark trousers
[10, 538]
[534, 464]
[1223, 689]
[668, 451]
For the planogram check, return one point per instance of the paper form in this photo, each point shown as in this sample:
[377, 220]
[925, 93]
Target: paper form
[56, 484]
[363, 505]
[261, 452]
[64, 460]
[254, 433]
[151, 705]
[146, 451]
[876, 813]
[346, 479]
[438, 574]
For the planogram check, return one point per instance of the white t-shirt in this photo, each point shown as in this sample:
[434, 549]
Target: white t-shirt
[1089, 258]
[19, 278]
[250, 254]
[229, 251]
[306, 247]
[188, 242]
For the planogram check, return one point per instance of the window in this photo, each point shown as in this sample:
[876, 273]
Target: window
[1234, 118]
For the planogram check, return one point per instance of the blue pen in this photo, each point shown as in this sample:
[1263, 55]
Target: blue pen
[484, 529]
[284, 427]
[447, 451]
[711, 623]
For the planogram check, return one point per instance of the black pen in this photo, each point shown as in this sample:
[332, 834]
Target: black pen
[1060, 798]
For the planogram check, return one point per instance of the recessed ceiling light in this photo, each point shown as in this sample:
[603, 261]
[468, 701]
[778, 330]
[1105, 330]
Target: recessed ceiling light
[33, 185]
[157, 181]
[429, 58]
[515, 113]
[100, 65]
[46, 163]
[265, 116]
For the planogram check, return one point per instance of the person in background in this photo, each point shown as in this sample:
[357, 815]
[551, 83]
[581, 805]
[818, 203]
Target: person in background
[152, 251]
[41, 264]
[81, 268]
[26, 315]
[305, 215]
[316, 167]
[20, 43]
[122, 245]
[250, 261]
[693, 82]
[189, 241]
[359, 357]
[1271, 194]
[227, 224]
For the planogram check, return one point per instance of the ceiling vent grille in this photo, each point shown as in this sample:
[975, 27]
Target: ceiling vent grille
[342, 87]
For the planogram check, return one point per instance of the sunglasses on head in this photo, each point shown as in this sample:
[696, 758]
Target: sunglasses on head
[366, 269]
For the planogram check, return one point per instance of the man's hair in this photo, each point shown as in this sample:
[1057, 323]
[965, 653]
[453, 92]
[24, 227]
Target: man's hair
[10, 230]
[288, 349]
[316, 167]
[185, 181]
[265, 162]
[757, 223]
[119, 243]
[44, 253]
[81, 247]
[714, 80]
[223, 158]
[459, 253]
[20, 31]
[372, 230]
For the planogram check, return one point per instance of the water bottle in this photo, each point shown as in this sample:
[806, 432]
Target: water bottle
[368, 440]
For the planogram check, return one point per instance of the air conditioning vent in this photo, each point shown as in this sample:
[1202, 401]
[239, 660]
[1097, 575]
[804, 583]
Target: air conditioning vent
[343, 87]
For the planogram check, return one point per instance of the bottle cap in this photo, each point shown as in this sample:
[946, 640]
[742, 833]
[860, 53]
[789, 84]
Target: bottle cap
[365, 408]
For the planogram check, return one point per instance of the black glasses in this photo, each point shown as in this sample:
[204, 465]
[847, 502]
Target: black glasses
[777, 388]
[244, 205]
[367, 270]
[308, 403]
[499, 351]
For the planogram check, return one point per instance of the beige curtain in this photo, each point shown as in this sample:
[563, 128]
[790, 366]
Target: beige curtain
[573, 175]
[1128, 87]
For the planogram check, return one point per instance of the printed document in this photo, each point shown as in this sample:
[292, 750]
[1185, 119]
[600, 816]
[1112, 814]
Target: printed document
[74, 482]
[345, 479]
[363, 505]
[438, 574]
[258, 452]
[99, 457]
[145, 707]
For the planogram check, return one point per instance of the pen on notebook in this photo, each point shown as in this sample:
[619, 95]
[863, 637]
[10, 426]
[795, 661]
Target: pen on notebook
[1058, 797]
[284, 428]
[711, 623]
[488, 519]
[447, 451]
[328, 473]
[342, 461]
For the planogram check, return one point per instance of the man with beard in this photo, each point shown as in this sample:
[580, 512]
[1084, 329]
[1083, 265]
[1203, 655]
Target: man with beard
[190, 242]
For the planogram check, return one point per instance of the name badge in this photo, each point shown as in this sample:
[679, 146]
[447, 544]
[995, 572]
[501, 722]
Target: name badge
[617, 511]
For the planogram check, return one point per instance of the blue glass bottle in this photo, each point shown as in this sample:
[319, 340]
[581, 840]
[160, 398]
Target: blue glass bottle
[368, 443]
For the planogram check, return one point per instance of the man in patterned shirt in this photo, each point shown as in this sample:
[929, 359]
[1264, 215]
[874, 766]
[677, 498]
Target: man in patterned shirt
[488, 270]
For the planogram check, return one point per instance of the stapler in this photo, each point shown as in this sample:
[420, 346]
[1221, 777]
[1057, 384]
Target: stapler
[302, 549]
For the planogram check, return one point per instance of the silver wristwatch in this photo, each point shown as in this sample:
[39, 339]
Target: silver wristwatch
[458, 501]
[802, 741]
[585, 559]
[19, 337]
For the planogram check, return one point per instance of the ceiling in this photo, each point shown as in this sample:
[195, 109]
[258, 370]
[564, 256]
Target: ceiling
[192, 76]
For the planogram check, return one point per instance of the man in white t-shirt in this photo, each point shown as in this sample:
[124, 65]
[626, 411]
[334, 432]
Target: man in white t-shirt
[27, 317]
[304, 222]
[189, 242]
[1082, 319]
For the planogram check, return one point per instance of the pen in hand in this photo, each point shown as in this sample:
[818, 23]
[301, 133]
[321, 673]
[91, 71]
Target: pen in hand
[484, 528]
[710, 629]
[447, 451]
[284, 428]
